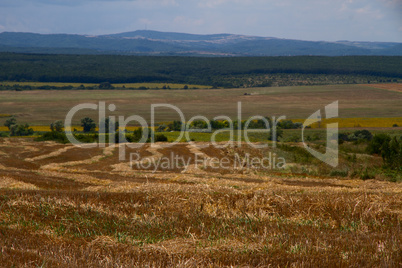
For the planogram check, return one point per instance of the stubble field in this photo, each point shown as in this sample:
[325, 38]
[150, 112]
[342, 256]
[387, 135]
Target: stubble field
[67, 206]
[64, 206]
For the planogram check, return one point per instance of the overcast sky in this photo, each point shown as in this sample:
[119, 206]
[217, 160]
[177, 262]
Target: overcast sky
[355, 20]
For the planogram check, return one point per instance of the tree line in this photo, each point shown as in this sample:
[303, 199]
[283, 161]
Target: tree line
[185, 70]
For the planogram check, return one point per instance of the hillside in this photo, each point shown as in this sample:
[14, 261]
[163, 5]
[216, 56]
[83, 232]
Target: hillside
[167, 43]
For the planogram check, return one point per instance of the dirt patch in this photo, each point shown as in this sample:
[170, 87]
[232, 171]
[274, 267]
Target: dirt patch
[10, 183]
[14, 162]
[44, 182]
[41, 150]
[70, 155]
[106, 163]
[247, 180]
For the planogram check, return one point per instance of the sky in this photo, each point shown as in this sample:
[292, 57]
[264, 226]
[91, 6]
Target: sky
[333, 20]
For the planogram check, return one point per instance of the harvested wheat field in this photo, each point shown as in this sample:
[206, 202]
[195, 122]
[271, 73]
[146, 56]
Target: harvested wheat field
[64, 206]
[391, 87]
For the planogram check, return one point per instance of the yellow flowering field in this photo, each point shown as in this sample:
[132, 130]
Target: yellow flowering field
[356, 122]
[342, 123]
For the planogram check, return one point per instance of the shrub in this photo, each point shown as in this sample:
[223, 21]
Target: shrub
[377, 143]
[288, 124]
[10, 122]
[105, 85]
[389, 148]
[53, 136]
[366, 175]
[338, 173]
[57, 126]
[120, 135]
[161, 138]
[106, 124]
[360, 135]
[198, 124]
[363, 135]
[21, 130]
[88, 124]
[175, 126]
[136, 136]
[293, 138]
[300, 155]
[219, 124]
[87, 138]
[279, 134]
[162, 128]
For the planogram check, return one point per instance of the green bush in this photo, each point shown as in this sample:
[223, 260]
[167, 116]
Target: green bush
[389, 148]
[85, 138]
[53, 136]
[366, 175]
[175, 126]
[378, 143]
[105, 85]
[88, 124]
[57, 126]
[21, 130]
[10, 122]
[161, 138]
[338, 173]
[288, 124]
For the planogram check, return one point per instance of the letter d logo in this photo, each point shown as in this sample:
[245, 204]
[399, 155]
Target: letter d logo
[331, 154]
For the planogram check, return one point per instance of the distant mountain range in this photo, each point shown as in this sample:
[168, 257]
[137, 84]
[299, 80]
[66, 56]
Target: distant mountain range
[180, 44]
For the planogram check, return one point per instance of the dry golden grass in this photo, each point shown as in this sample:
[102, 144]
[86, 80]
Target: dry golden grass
[355, 101]
[9, 183]
[397, 87]
[84, 213]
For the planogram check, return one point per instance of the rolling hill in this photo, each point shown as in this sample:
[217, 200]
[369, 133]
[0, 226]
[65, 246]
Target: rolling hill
[145, 42]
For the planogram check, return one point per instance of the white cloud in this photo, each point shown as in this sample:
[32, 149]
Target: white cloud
[211, 3]
[183, 20]
[217, 3]
[368, 11]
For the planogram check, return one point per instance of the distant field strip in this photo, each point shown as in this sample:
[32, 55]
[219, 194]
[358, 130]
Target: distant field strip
[125, 85]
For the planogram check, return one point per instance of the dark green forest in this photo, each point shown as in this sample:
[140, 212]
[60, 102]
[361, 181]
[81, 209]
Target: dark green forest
[220, 72]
